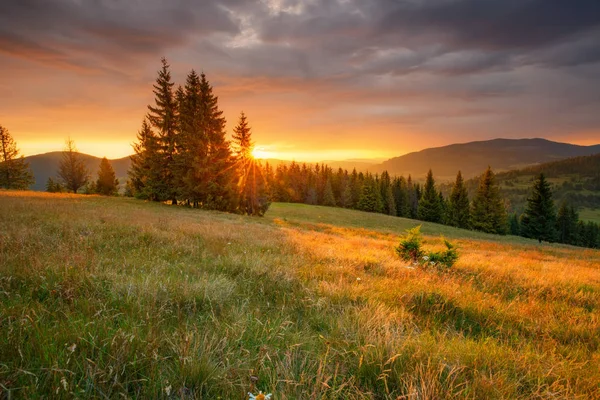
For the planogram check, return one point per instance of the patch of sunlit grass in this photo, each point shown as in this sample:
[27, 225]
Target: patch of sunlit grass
[112, 297]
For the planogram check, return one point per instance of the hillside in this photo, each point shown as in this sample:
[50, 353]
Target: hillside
[473, 158]
[575, 180]
[170, 302]
[46, 165]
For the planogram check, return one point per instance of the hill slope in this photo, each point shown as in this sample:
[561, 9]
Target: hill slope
[46, 165]
[575, 180]
[143, 300]
[474, 157]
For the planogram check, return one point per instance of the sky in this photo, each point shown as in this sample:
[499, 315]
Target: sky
[318, 79]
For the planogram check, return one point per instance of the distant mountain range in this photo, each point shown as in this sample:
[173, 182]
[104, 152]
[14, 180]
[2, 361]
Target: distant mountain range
[474, 157]
[471, 158]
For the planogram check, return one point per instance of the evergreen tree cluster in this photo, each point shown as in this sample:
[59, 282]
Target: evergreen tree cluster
[541, 221]
[398, 196]
[182, 154]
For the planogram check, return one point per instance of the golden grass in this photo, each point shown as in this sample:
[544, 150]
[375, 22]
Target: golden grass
[158, 297]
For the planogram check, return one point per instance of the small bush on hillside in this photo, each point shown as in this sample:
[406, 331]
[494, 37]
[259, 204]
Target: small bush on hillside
[410, 249]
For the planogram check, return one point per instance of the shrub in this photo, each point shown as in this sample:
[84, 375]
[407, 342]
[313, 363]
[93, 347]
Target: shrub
[410, 249]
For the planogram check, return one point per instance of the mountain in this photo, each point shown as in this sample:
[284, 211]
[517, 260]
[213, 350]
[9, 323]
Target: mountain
[474, 157]
[46, 165]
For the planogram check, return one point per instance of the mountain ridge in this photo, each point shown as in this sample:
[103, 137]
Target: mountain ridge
[471, 158]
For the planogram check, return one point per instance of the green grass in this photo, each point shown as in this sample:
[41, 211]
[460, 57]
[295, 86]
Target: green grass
[298, 214]
[113, 297]
[588, 214]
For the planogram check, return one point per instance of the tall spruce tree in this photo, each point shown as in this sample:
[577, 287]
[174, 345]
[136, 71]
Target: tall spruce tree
[488, 213]
[514, 226]
[72, 169]
[429, 205]
[401, 197]
[385, 185]
[252, 187]
[389, 201]
[566, 224]
[14, 170]
[356, 183]
[191, 141]
[328, 196]
[213, 173]
[459, 210]
[163, 118]
[370, 197]
[146, 172]
[413, 198]
[107, 182]
[539, 220]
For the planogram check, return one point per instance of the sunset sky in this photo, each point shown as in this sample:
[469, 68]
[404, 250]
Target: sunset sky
[319, 80]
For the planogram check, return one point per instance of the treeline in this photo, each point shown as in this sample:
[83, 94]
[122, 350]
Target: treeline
[486, 211]
[182, 155]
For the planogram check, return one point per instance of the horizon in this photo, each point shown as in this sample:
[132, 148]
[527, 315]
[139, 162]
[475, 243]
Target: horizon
[317, 81]
[261, 154]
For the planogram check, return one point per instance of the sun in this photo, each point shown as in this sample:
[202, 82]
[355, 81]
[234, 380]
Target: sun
[261, 154]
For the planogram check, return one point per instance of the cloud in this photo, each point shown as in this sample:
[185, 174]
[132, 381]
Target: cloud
[104, 32]
[316, 69]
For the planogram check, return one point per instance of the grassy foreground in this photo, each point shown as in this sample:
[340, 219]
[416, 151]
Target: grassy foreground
[111, 297]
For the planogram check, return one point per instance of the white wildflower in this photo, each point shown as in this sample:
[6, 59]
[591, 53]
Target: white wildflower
[168, 390]
[259, 396]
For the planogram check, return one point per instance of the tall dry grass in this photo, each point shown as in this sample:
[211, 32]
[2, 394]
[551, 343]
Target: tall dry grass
[105, 297]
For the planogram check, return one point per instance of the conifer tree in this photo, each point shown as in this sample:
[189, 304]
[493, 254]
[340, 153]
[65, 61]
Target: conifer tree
[566, 223]
[459, 213]
[443, 208]
[346, 193]
[385, 184]
[514, 226]
[163, 118]
[72, 169]
[389, 201]
[413, 198]
[429, 204]
[401, 197]
[539, 220]
[328, 196]
[107, 183]
[213, 176]
[488, 213]
[370, 198]
[253, 195]
[53, 186]
[356, 183]
[14, 170]
[270, 181]
[146, 172]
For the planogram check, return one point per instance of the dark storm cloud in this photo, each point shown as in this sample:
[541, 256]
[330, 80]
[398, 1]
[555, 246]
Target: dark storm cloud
[495, 24]
[67, 31]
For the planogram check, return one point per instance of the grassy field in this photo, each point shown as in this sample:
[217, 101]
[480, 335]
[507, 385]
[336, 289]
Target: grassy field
[112, 297]
[590, 215]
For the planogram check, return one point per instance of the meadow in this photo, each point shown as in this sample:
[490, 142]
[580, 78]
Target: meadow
[114, 297]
